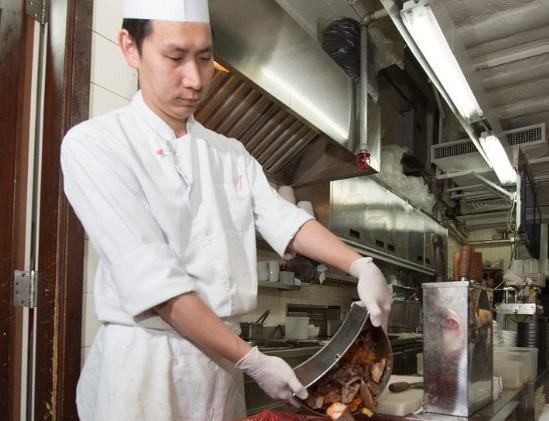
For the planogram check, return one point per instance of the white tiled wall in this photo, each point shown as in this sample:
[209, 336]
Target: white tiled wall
[112, 84]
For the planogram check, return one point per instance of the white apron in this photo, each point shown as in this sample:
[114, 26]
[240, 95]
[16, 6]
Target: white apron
[135, 374]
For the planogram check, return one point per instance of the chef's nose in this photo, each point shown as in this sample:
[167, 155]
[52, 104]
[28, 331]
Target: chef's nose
[192, 76]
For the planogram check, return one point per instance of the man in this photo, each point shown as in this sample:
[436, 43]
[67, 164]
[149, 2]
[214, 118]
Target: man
[171, 208]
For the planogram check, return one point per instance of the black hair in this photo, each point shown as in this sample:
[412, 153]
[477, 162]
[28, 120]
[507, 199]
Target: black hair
[139, 29]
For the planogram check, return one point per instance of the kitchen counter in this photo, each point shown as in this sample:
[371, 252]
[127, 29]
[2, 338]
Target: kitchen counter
[498, 410]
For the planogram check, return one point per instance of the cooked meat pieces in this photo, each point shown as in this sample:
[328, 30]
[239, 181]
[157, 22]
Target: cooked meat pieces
[332, 396]
[367, 398]
[354, 381]
[349, 391]
[315, 401]
[374, 387]
[377, 370]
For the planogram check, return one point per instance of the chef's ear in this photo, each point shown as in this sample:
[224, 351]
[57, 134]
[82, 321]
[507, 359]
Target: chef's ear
[129, 48]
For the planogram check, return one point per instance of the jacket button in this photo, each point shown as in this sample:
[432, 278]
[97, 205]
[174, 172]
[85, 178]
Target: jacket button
[232, 233]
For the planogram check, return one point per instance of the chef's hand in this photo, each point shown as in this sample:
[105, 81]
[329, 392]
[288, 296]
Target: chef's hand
[372, 290]
[273, 375]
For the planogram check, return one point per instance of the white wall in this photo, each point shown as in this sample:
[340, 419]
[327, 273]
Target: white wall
[112, 84]
[490, 253]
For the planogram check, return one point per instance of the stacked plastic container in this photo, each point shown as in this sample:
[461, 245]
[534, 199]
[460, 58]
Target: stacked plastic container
[515, 365]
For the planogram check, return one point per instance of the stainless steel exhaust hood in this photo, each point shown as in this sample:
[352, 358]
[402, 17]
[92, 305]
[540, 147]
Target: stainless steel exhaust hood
[287, 101]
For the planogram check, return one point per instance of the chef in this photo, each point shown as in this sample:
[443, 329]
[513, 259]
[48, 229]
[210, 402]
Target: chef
[171, 209]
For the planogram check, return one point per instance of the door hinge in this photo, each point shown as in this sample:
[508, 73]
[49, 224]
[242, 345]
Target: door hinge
[24, 288]
[38, 10]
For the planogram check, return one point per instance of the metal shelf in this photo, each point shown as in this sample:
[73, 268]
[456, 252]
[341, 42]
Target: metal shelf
[339, 279]
[277, 285]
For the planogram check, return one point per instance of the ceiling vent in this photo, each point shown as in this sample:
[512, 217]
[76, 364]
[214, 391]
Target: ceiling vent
[526, 136]
[448, 156]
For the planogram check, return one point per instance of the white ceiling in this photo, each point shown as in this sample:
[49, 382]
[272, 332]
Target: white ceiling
[507, 42]
[508, 45]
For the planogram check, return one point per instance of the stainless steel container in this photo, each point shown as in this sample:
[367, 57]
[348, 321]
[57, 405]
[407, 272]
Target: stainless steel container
[457, 355]
[253, 330]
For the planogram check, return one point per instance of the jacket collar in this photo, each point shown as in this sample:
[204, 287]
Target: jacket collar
[154, 121]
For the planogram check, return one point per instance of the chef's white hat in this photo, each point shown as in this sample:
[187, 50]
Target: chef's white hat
[175, 10]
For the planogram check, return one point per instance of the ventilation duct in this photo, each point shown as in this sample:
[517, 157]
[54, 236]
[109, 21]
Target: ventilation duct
[284, 97]
[447, 156]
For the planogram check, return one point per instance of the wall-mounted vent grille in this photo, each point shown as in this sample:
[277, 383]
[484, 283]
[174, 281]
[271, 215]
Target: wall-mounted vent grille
[526, 135]
[447, 155]
[455, 149]
[485, 205]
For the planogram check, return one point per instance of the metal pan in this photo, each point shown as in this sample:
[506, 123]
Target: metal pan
[313, 369]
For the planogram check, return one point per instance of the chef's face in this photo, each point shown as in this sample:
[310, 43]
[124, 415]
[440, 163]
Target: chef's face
[175, 68]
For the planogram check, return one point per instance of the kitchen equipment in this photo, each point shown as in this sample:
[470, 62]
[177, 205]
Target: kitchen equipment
[313, 331]
[403, 403]
[313, 369]
[319, 315]
[262, 271]
[457, 347]
[332, 326]
[438, 259]
[274, 270]
[419, 363]
[405, 316]
[464, 266]
[253, 330]
[399, 387]
[297, 327]
[287, 277]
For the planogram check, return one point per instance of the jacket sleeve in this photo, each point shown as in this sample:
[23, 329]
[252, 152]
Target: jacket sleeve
[276, 219]
[111, 206]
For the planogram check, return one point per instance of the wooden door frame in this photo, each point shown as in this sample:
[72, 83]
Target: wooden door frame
[14, 85]
[61, 237]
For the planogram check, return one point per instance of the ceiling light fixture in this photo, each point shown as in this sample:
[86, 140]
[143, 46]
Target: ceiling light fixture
[498, 158]
[421, 23]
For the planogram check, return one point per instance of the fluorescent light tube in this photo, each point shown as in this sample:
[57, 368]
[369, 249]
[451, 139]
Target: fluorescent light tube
[423, 26]
[498, 158]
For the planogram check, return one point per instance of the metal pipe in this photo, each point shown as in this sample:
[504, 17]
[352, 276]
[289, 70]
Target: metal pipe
[455, 232]
[363, 88]
[491, 242]
[372, 17]
[494, 188]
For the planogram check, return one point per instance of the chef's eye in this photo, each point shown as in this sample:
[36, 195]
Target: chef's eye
[206, 58]
[174, 58]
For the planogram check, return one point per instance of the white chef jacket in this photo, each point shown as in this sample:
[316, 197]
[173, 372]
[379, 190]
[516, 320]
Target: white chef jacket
[169, 216]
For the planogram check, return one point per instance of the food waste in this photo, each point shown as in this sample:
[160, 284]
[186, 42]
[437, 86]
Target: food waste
[352, 385]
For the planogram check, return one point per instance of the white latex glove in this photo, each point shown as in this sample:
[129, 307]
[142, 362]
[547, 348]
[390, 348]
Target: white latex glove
[373, 290]
[273, 375]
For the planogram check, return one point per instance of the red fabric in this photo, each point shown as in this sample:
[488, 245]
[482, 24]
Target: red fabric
[270, 415]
